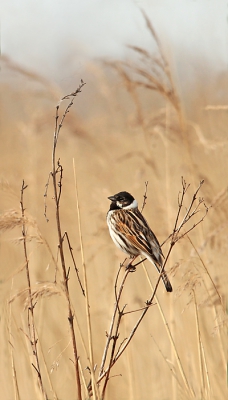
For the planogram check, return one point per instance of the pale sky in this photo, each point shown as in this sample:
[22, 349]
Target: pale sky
[42, 35]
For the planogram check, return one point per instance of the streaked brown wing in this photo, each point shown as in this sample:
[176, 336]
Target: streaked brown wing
[134, 227]
[144, 227]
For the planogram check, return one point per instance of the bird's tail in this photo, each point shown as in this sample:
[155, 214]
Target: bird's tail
[166, 282]
[165, 278]
[158, 264]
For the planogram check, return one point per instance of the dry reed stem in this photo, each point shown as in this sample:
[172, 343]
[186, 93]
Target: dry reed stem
[74, 262]
[170, 336]
[110, 335]
[113, 334]
[208, 274]
[31, 320]
[86, 391]
[86, 387]
[208, 390]
[216, 108]
[11, 348]
[55, 397]
[213, 302]
[88, 317]
[199, 342]
[57, 170]
[168, 363]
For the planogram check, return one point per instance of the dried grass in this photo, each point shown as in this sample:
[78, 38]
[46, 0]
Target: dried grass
[12, 219]
[144, 142]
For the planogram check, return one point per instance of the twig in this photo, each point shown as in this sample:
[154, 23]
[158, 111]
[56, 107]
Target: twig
[180, 201]
[115, 286]
[57, 185]
[59, 171]
[58, 127]
[45, 196]
[189, 213]
[89, 329]
[31, 320]
[74, 262]
[144, 196]
[110, 333]
[115, 338]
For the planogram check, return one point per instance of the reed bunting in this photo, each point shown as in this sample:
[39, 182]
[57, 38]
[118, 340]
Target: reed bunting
[132, 234]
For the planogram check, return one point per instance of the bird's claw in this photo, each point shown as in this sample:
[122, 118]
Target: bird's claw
[130, 268]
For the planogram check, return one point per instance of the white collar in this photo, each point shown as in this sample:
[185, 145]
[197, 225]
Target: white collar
[134, 204]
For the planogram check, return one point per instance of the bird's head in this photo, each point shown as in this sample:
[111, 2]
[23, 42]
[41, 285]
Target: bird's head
[122, 200]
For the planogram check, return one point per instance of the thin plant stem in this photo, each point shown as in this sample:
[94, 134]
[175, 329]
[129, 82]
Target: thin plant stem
[115, 338]
[144, 196]
[208, 389]
[9, 328]
[74, 262]
[170, 336]
[113, 335]
[31, 319]
[57, 170]
[207, 272]
[88, 317]
[110, 333]
[199, 346]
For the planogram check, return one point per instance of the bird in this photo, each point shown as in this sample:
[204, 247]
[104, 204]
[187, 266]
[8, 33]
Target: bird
[131, 233]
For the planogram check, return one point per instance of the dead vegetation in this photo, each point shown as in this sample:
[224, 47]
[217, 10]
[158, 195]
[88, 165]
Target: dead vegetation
[69, 339]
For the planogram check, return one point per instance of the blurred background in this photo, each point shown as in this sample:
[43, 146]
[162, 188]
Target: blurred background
[154, 108]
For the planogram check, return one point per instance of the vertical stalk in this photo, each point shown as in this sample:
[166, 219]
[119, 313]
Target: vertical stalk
[31, 319]
[88, 318]
[57, 169]
[202, 381]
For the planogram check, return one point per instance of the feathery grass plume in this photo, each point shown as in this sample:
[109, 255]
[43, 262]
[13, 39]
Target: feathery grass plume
[43, 290]
[12, 219]
[152, 72]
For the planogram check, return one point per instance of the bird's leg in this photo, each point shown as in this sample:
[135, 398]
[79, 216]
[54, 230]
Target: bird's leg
[131, 267]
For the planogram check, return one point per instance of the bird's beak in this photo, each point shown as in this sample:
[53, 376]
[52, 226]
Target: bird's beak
[112, 198]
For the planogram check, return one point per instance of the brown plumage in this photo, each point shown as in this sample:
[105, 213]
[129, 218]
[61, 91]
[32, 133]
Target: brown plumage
[131, 233]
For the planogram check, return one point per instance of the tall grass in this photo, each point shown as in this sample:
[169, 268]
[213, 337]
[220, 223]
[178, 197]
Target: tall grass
[119, 340]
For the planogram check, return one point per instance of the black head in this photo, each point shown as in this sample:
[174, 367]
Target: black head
[122, 200]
